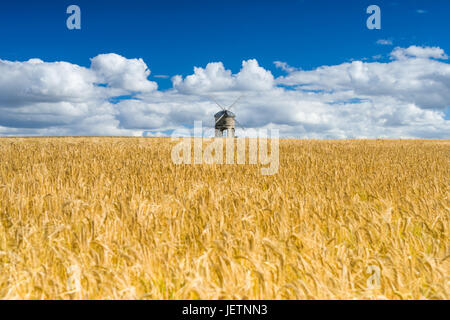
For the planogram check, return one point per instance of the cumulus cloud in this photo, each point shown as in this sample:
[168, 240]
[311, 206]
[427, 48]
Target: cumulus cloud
[216, 78]
[36, 81]
[405, 97]
[418, 52]
[64, 98]
[252, 77]
[411, 78]
[119, 72]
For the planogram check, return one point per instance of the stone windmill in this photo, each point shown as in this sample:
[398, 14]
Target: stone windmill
[225, 120]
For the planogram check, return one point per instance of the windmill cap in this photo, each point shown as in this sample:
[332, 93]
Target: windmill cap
[226, 112]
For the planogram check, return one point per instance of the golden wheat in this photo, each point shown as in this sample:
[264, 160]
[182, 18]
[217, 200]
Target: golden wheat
[114, 218]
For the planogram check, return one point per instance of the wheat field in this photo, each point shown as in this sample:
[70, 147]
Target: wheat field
[114, 218]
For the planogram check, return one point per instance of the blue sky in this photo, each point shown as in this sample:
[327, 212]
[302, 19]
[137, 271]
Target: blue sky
[173, 37]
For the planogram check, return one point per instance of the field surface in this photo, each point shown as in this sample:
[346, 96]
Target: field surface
[114, 218]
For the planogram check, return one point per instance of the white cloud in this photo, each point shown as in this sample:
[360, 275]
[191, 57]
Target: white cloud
[384, 42]
[419, 52]
[212, 78]
[409, 79]
[36, 81]
[403, 98]
[161, 76]
[63, 98]
[215, 78]
[284, 66]
[252, 77]
[119, 72]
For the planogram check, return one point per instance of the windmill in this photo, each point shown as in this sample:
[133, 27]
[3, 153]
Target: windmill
[225, 120]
